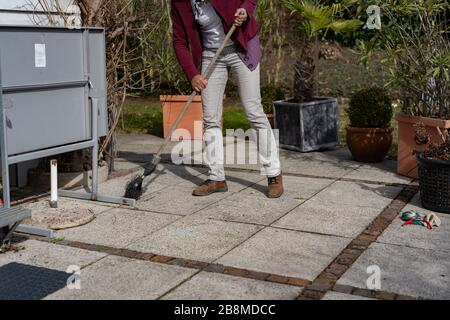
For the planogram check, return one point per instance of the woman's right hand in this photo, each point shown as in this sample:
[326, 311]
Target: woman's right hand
[198, 83]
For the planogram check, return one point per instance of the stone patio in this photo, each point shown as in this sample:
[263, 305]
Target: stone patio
[336, 218]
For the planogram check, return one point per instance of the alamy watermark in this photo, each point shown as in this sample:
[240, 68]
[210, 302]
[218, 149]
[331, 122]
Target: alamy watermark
[74, 279]
[373, 282]
[374, 19]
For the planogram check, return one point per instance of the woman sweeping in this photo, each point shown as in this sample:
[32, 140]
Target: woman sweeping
[199, 28]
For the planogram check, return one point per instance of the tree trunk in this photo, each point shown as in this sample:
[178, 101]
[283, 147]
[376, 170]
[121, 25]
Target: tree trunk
[304, 74]
[92, 8]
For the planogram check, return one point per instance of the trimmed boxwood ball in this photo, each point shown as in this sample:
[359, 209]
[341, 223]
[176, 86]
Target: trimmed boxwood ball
[370, 108]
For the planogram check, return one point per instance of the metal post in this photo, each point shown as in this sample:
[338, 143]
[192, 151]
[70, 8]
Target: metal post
[54, 183]
[3, 148]
[94, 148]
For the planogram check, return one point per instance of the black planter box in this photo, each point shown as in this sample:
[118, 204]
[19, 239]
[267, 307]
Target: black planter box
[307, 126]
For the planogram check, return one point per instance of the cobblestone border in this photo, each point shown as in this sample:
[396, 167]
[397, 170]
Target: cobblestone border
[326, 281]
[373, 294]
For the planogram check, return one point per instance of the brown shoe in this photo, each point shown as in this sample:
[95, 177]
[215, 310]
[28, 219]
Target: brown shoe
[208, 187]
[275, 186]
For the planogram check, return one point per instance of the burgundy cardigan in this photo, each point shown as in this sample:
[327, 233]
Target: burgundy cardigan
[187, 37]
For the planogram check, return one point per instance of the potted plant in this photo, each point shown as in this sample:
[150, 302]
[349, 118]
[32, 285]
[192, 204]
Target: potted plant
[308, 122]
[192, 122]
[434, 169]
[369, 135]
[415, 39]
[269, 94]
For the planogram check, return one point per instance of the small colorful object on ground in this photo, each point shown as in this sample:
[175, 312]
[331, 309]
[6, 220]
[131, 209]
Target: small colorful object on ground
[433, 219]
[415, 217]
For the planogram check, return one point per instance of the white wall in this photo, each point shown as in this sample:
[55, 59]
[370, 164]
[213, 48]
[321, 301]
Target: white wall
[34, 12]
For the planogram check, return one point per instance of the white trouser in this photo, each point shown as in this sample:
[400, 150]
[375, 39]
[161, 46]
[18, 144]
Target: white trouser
[250, 94]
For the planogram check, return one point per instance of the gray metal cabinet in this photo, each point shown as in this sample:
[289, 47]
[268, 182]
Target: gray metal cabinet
[48, 75]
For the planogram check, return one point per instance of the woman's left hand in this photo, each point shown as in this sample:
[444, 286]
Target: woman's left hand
[240, 17]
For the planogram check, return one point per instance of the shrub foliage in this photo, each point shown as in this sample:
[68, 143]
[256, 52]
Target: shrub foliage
[370, 108]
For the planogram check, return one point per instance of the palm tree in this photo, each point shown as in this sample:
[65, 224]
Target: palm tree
[315, 18]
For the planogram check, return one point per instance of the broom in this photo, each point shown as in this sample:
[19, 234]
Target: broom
[134, 187]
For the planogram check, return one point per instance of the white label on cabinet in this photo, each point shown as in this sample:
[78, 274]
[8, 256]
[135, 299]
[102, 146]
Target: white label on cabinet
[40, 59]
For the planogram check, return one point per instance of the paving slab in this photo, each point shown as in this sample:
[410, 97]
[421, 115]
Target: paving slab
[214, 286]
[408, 271]
[334, 219]
[178, 200]
[294, 187]
[118, 278]
[240, 207]
[331, 295]
[417, 236]
[239, 181]
[171, 174]
[236, 180]
[357, 194]
[125, 140]
[333, 155]
[313, 168]
[338, 154]
[49, 255]
[286, 252]
[196, 238]
[385, 171]
[118, 228]
[331, 164]
[165, 175]
[140, 148]
[123, 164]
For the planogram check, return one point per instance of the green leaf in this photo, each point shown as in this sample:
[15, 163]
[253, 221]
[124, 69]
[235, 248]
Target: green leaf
[345, 25]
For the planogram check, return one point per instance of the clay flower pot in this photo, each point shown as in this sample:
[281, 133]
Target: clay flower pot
[406, 160]
[192, 121]
[369, 144]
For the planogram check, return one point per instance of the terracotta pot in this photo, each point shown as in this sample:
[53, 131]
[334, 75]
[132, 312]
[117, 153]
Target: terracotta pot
[270, 118]
[406, 161]
[369, 144]
[192, 121]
